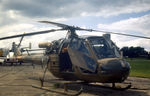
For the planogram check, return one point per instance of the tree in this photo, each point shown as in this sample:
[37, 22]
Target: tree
[133, 52]
[125, 51]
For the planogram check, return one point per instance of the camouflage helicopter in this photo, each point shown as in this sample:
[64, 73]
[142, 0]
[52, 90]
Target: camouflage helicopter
[85, 58]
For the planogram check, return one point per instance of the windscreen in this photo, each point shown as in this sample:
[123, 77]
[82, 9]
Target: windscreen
[102, 48]
[80, 55]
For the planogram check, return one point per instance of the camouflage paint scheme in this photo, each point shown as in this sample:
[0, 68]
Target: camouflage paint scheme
[85, 64]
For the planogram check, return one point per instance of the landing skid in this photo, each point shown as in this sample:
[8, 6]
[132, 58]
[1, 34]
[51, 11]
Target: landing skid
[70, 93]
[114, 87]
[65, 92]
[121, 89]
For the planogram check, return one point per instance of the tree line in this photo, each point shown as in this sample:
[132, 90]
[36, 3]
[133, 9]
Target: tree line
[134, 52]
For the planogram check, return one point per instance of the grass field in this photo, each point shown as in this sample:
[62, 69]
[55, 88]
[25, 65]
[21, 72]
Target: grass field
[140, 67]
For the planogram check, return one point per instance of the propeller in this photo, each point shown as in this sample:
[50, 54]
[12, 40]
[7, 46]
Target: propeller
[108, 32]
[64, 26]
[30, 34]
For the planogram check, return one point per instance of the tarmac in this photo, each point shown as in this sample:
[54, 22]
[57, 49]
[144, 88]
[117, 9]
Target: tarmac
[18, 81]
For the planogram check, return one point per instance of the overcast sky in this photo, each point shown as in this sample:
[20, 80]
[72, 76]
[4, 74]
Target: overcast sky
[124, 16]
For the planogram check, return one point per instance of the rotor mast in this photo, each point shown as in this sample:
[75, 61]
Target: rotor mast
[71, 32]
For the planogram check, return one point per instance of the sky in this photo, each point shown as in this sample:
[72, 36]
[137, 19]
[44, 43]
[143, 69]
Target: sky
[123, 16]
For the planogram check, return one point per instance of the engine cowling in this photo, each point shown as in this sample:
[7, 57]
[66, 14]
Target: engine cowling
[44, 44]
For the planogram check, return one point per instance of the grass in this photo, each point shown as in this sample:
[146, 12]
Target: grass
[139, 67]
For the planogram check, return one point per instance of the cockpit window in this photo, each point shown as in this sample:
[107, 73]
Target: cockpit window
[102, 48]
[80, 45]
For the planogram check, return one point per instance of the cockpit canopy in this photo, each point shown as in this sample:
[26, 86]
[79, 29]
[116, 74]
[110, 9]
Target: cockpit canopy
[103, 48]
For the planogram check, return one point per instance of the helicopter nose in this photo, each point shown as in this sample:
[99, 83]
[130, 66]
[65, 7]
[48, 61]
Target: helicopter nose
[114, 68]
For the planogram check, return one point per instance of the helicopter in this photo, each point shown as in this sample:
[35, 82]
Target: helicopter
[16, 51]
[85, 58]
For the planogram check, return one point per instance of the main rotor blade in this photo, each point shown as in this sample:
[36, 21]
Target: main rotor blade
[122, 34]
[30, 34]
[64, 26]
[54, 23]
[108, 32]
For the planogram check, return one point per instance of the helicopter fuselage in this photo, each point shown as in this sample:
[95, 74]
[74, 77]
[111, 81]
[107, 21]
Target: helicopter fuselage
[91, 59]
